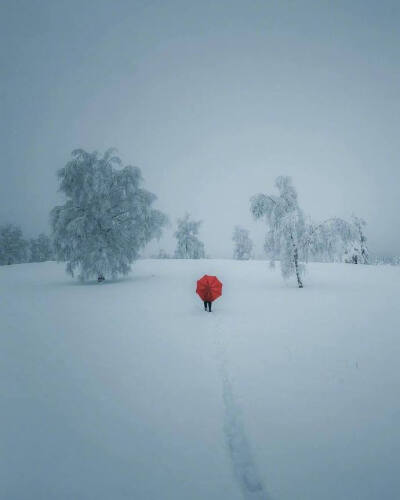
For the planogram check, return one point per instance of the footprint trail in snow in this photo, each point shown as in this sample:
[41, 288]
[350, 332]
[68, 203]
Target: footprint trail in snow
[237, 443]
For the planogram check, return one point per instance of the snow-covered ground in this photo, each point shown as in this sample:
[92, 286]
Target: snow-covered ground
[129, 390]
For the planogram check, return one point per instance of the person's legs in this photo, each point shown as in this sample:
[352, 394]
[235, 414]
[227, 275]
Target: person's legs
[205, 305]
[209, 306]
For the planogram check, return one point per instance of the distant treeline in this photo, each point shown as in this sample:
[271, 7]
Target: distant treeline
[15, 249]
[108, 218]
[385, 260]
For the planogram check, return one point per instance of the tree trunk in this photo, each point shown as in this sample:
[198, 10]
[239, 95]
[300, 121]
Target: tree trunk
[296, 262]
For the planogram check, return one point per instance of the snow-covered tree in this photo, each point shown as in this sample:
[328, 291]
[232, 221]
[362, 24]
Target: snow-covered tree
[356, 251]
[188, 245]
[13, 247]
[243, 245]
[107, 218]
[162, 254]
[286, 227]
[384, 260]
[328, 240]
[292, 239]
[40, 249]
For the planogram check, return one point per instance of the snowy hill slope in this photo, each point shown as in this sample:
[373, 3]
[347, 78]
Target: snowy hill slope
[129, 390]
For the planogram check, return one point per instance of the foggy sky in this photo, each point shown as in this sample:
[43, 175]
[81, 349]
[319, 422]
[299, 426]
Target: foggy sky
[212, 100]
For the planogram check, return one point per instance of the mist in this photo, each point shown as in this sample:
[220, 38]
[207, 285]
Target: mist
[212, 100]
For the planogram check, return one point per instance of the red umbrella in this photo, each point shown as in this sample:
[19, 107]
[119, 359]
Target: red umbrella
[209, 288]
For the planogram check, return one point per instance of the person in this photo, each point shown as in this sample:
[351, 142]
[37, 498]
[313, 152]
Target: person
[208, 289]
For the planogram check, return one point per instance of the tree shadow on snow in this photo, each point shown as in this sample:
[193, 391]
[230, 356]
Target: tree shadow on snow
[116, 281]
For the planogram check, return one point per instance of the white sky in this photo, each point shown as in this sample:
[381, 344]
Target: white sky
[212, 100]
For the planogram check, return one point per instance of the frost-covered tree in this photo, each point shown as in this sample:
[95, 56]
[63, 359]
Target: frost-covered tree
[188, 245]
[13, 247]
[328, 240]
[162, 254]
[356, 251]
[289, 237]
[286, 227]
[40, 249]
[243, 245]
[107, 218]
[384, 260]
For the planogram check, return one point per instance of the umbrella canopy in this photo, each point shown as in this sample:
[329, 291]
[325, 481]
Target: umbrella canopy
[209, 288]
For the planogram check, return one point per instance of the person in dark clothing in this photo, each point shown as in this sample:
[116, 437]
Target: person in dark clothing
[207, 303]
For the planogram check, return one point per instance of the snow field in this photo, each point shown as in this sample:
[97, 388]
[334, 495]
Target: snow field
[129, 389]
